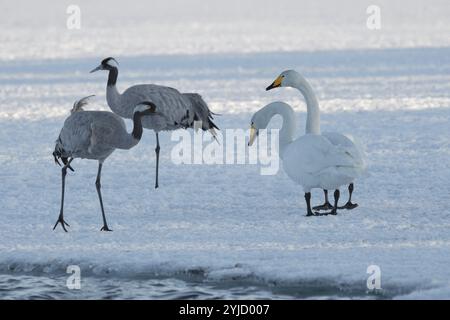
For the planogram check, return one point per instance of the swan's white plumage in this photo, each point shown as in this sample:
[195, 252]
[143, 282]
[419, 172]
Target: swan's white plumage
[351, 145]
[316, 160]
[311, 160]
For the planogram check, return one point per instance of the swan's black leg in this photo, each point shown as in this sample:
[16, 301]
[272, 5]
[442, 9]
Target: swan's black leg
[327, 205]
[63, 185]
[349, 205]
[157, 159]
[336, 200]
[98, 187]
[308, 204]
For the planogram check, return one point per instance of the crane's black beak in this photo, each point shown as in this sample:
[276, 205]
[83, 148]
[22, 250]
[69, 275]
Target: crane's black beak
[96, 69]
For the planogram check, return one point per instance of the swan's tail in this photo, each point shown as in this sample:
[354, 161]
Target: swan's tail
[359, 151]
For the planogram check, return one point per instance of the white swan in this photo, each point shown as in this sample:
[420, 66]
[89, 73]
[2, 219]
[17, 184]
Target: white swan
[291, 78]
[313, 160]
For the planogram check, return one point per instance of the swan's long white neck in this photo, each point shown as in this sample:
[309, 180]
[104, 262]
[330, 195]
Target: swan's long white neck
[312, 105]
[287, 131]
[113, 97]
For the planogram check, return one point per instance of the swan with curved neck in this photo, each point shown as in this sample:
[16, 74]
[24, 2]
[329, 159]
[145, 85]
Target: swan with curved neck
[314, 160]
[291, 78]
[262, 118]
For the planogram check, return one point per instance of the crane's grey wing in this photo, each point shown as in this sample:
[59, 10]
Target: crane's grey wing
[173, 109]
[89, 134]
[108, 132]
[75, 135]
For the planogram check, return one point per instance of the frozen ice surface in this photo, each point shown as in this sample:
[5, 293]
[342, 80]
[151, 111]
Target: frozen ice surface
[229, 223]
[108, 27]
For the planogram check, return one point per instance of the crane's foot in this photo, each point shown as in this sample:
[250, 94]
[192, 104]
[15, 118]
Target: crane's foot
[156, 185]
[63, 223]
[105, 228]
[325, 206]
[349, 206]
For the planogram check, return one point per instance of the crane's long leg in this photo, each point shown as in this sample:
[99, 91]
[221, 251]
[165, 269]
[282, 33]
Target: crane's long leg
[157, 159]
[63, 185]
[327, 205]
[349, 205]
[98, 186]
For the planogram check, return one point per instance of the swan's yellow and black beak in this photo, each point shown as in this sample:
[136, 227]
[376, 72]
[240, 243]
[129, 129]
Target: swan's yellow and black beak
[275, 84]
[253, 134]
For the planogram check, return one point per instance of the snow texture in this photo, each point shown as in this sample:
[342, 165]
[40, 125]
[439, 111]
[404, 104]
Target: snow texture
[389, 89]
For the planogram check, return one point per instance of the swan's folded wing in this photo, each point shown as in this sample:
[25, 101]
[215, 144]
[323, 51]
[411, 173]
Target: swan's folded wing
[350, 145]
[312, 154]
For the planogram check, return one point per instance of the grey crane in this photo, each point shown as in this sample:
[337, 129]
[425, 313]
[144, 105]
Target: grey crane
[175, 110]
[95, 135]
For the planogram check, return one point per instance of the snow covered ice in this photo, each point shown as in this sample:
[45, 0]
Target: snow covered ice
[227, 223]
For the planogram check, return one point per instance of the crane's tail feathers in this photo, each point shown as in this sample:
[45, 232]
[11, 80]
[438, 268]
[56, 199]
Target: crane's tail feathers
[202, 111]
[56, 154]
[78, 105]
[214, 134]
[212, 124]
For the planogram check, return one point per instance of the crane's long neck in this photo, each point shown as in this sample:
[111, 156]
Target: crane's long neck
[287, 131]
[137, 126]
[312, 105]
[113, 97]
[112, 76]
[129, 140]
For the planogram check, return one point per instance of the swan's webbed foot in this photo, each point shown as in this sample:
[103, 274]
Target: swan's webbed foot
[316, 214]
[332, 212]
[349, 206]
[326, 206]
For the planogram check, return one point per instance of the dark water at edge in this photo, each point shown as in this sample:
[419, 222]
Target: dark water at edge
[25, 286]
